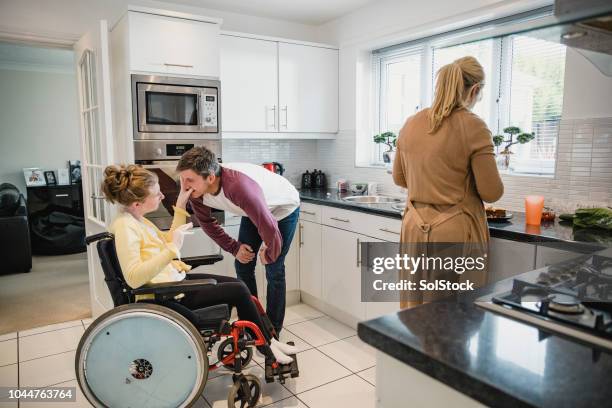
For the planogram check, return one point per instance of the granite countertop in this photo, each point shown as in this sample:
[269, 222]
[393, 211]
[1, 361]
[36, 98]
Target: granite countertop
[491, 358]
[515, 229]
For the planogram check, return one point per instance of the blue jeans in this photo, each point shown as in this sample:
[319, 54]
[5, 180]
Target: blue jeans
[275, 272]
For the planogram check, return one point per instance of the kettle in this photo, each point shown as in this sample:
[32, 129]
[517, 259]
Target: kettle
[274, 167]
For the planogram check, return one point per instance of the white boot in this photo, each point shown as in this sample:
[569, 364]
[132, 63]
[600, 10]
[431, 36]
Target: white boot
[284, 347]
[281, 357]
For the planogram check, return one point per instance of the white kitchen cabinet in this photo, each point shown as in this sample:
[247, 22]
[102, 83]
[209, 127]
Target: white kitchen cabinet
[249, 78]
[171, 45]
[341, 283]
[308, 88]
[309, 243]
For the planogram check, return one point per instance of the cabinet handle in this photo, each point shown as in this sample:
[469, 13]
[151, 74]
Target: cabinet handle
[358, 252]
[61, 195]
[178, 65]
[390, 231]
[340, 219]
[273, 109]
[301, 235]
[97, 197]
[308, 212]
[284, 108]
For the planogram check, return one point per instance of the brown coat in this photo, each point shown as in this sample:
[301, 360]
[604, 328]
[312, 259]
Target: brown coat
[448, 175]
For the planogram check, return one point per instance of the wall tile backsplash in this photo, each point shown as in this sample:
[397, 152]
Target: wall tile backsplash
[583, 175]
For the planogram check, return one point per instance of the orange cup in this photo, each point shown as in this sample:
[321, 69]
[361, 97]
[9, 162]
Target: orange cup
[534, 205]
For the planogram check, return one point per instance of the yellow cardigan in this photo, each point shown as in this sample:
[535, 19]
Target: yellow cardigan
[147, 255]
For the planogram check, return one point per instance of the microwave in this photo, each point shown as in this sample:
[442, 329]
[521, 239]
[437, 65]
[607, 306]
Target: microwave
[175, 108]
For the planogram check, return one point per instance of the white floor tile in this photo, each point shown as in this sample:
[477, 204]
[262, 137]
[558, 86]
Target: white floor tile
[291, 402]
[8, 378]
[50, 327]
[321, 331]
[300, 313]
[316, 369]
[81, 401]
[369, 375]
[217, 389]
[352, 392]
[8, 352]
[87, 321]
[8, 336]
[46, 371]
[285, 336]
[352, 353]
[201, 403]
[48, 343]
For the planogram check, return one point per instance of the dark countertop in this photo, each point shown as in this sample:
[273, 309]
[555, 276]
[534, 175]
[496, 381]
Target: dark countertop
[491, 358]
[515, 229]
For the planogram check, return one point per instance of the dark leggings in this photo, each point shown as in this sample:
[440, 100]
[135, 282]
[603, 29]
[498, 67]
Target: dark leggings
[230, 291]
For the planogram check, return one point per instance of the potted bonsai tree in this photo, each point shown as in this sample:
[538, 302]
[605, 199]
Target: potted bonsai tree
[389, 139]
[521, 137]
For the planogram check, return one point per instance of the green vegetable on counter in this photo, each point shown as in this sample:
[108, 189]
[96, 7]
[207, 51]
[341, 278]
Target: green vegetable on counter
[593, 217]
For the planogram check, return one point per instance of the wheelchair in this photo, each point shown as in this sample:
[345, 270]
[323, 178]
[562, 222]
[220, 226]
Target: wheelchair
[157, 352]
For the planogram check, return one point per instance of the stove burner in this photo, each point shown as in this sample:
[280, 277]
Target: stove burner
[563, 303]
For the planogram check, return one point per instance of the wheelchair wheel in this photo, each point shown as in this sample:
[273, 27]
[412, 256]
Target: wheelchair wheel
[227, 347]
[141, 355]
[245, 392]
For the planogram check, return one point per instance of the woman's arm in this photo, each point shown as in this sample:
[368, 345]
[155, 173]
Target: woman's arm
[399, 177]
[180, 218]
[137, 272]
[482, 160]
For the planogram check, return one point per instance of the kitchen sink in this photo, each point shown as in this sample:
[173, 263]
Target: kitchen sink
[373, 199]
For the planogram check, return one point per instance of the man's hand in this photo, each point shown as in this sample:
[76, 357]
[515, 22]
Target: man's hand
[245, 254]
[262, 254]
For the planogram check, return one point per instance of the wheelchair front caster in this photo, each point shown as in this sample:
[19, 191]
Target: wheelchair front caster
[245, 392]
[226, 348]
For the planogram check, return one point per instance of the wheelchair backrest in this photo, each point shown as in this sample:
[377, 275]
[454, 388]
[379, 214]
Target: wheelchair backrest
[113, 276]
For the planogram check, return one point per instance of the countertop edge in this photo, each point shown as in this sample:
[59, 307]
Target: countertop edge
[452, 377]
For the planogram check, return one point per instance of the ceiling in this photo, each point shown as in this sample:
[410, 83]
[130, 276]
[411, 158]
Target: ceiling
[313, 12]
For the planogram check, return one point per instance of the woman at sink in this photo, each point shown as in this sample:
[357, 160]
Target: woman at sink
[445, 159]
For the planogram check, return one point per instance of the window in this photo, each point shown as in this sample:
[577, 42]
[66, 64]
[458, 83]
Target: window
[523, 87]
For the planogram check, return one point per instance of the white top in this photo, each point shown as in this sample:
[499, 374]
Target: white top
[281, 197]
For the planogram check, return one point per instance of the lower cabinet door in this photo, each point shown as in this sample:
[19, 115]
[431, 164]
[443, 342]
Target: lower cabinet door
[341, 270]
[309, 241]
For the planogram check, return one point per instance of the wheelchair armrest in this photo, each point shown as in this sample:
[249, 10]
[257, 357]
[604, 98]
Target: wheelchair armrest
[173, 288]
[194, 261]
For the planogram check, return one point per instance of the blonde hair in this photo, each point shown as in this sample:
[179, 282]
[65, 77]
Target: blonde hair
[453, 82]
[126, 184]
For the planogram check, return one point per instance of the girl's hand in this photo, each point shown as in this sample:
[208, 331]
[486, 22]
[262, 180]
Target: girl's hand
[178, 235]
[183, 197]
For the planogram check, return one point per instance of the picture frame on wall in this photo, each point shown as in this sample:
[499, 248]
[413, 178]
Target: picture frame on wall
[74, 168]
[34, 177]
[50, 178]
[63, 177]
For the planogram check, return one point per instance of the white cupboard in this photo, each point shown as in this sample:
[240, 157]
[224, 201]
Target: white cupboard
[308, 88]
[249, 84]
[171, 45]
[273, 89]
[309, 243]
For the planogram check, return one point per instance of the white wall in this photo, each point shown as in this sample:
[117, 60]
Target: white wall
[67, 20]
[39, 117]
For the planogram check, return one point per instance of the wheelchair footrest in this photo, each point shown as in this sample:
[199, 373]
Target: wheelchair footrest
[283, 371]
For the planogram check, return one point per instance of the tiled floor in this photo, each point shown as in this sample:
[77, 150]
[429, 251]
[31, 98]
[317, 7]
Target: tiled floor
[336, 367]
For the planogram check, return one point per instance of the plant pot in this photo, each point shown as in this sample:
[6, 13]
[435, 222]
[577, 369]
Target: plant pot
[388, 157]
[503, 159]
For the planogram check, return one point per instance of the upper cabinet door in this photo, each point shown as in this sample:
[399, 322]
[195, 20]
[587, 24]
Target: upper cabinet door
[169, 45]
[308, 88]
[249, 85]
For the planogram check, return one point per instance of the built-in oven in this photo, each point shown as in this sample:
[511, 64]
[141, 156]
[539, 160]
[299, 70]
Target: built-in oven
[170, 108]
[161, 157]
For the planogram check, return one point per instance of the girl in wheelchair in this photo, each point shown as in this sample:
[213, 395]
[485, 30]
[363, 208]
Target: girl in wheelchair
[148, 255]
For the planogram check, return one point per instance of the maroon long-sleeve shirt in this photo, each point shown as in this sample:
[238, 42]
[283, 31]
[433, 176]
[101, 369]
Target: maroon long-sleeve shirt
[243, 195]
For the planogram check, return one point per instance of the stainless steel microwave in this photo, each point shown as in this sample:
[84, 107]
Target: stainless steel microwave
[175, 108]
